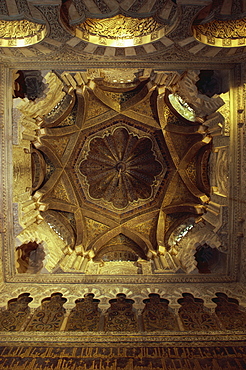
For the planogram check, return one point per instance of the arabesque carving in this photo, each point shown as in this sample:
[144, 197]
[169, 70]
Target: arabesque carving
[193, 314]
[231, 315]
[85, 316]
[16, 314]
[49, 316]
[156, 316]
[120, 316]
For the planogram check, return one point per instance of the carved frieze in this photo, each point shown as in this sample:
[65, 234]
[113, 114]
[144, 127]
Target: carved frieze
[156, 316]
[162, 354]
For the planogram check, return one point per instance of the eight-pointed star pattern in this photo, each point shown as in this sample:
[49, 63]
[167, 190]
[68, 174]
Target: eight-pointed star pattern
[122, 161]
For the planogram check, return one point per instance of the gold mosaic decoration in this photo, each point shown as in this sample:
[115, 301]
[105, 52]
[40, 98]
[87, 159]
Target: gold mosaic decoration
[229, 33]
[20, 33]
[120, 31]
[94, 228]
[60, 145]
[59, 192]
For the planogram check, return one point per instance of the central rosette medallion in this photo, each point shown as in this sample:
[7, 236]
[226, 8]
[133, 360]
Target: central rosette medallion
[121, 167]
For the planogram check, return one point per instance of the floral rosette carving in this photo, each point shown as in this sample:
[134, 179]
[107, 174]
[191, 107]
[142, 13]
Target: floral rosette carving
[121, 168]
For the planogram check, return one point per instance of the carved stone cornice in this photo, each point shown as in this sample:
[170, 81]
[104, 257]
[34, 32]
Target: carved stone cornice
[138, 291]
[83, 64]
[173, 339]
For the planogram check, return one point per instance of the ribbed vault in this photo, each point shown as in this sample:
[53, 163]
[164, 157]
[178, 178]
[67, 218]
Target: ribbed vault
[119, 166]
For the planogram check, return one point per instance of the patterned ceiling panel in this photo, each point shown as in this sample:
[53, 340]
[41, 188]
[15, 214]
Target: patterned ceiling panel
[80, 31]
[117, 157]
